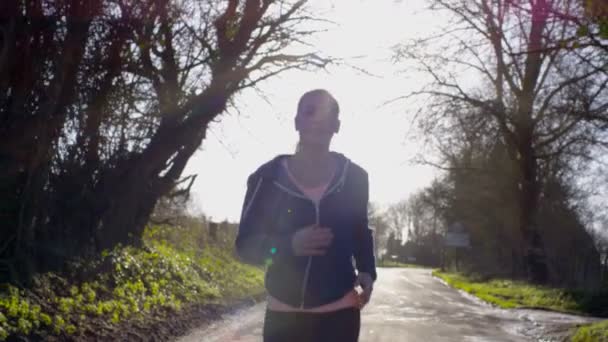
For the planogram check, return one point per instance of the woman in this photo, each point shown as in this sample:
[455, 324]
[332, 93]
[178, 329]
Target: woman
[305, 217]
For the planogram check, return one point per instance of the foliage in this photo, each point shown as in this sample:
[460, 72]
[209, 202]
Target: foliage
[478, 193]
[129, 283]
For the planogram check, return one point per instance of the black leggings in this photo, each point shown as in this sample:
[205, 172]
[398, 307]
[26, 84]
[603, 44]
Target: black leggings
[342, 325]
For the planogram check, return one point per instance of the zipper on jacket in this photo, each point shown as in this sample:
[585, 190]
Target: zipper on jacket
[336, 187]
[309, 263]
[317, 221]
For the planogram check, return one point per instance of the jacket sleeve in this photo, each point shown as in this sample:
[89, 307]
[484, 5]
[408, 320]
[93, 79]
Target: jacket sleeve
[364, 245]
[255, 242]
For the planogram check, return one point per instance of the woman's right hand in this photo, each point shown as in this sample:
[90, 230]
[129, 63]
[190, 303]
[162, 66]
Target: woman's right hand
[311, 240]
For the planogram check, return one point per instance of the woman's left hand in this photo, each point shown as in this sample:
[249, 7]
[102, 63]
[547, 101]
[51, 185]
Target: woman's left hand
[366, 282]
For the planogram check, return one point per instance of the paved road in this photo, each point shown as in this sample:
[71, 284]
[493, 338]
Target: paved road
[411, 305]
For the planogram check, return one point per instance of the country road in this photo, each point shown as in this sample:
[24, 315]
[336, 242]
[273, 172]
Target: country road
[412, 305]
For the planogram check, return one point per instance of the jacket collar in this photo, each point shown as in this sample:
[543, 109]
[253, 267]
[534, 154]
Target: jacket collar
[271, 171]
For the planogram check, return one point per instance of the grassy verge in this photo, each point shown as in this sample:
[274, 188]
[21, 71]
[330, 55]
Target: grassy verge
[126, 284]
[597, 332]
[516, 294]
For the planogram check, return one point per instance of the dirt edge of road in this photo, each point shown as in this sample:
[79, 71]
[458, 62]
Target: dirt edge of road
[172, 326]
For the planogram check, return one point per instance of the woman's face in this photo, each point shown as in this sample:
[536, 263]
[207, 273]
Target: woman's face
[316, 122]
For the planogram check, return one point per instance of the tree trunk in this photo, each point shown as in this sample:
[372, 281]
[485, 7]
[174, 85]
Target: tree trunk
[533, 250]
[534, 256]
[130, 195]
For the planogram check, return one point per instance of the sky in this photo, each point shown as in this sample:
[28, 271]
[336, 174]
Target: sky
[374, 134]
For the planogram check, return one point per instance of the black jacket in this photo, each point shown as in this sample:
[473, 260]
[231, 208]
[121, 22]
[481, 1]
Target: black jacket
[274, 208]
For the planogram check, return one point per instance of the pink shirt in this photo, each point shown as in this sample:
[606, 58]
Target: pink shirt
[313, 192]
[350, 299]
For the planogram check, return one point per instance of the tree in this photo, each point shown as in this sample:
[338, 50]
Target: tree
[102, 103]
[425, 211]
[542, 100]
[173, 207]
[479, 191]
[482, 196]
[378, 222]
[398, 218]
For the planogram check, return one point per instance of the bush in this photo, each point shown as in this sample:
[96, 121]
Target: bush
[126, 283]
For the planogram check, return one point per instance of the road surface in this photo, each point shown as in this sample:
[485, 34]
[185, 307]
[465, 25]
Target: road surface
[411, 305]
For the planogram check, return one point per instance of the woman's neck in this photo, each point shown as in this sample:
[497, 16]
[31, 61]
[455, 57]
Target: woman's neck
[312, 166]
[312, 155]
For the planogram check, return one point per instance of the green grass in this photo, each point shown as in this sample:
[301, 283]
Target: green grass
[516, 294]
[127, 283]
[597, 332]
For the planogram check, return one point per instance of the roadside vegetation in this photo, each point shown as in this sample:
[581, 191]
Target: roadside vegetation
[507, 293]
[129, 285]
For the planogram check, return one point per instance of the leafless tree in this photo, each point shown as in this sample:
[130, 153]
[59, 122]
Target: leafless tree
[498, 71]
[102, 103]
